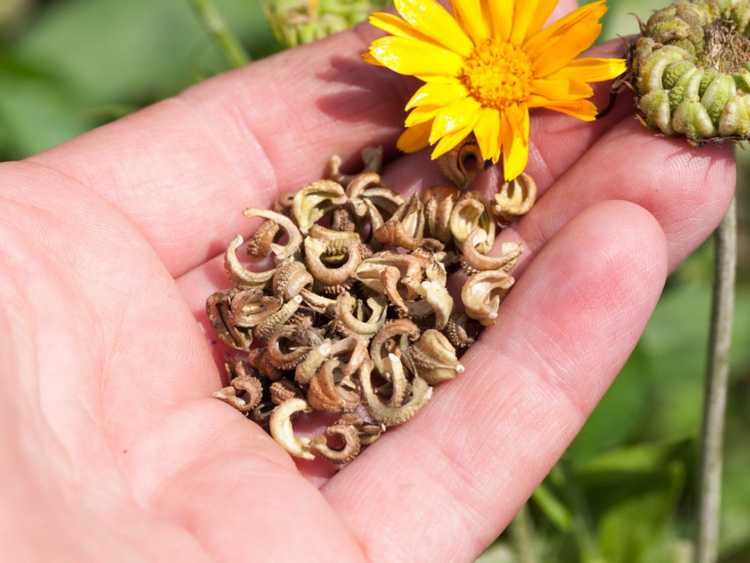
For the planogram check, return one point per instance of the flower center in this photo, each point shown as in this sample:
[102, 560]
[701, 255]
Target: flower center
[497, 74]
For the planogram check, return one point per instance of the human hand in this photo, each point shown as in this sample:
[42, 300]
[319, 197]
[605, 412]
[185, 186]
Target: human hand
[112, 449]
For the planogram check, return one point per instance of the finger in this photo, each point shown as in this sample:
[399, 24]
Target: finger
[182, 169]
[687, 189]
[468, 461]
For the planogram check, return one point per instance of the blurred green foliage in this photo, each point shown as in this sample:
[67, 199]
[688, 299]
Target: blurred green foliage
[624, 492]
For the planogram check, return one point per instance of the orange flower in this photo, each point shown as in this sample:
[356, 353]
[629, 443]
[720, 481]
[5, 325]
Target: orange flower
[486, 66]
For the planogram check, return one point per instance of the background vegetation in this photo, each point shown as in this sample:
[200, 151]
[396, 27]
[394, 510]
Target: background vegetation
[624, 492]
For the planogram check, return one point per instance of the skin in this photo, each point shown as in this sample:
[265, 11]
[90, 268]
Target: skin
[110, 448]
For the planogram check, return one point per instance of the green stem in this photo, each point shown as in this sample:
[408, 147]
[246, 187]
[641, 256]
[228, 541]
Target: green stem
[717, 379]
[522, 530]
[216, 27]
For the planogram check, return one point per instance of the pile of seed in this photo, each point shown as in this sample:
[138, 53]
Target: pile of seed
[352, 315]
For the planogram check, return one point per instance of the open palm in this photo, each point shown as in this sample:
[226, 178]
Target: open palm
[110, 447]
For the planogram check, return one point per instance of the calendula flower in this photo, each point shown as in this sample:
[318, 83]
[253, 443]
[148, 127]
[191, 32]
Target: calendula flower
[486, 66]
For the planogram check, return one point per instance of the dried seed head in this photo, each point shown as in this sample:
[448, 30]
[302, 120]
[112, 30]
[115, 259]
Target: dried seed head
[462, 164]
[282, 430]
[514, 199]
[312, 202]
[470, 213]
[435, 358]
[689, 70]
[483, 293]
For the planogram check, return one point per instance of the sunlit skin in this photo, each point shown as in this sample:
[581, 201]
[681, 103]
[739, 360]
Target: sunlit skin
[110, 447]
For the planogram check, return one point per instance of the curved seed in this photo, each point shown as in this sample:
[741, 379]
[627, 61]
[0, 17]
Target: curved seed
[309, 366]
[312, 202]
[435, 358]
[469, 213]
[349, 325]
[394, 329]
[514, 199]
[295, 237]
[244, 393]
[330, 277]
[421, 392]
[477, 261]
[261, 242]
[326, 394]
[238, 272]
[483, 293]
[290, 279]
[282, 430]
[270, 324]
[340, 456]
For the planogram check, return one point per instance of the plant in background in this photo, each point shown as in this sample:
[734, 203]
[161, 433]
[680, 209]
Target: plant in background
[485, 67]
[295, 22]
[690, 69]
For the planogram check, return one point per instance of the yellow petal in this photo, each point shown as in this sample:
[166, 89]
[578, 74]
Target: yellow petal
[415, 138]
[501, 15]
[584, 16]
[450, 141]
[543, 12]
[469, 15]
[459, 115]
[559, 54]
[515, 139]
[394, 25]
[437, 94]
[561, 89]
[487, 132]
[592, 69]
[409, 56]
[421, 114]
[434, 21]
[584, 110]
[523, 14]
[369, 59]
